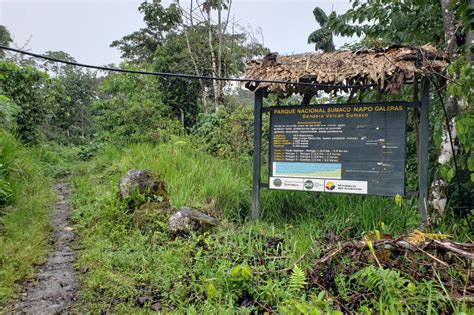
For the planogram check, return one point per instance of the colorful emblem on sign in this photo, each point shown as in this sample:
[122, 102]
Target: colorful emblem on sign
[330, 186]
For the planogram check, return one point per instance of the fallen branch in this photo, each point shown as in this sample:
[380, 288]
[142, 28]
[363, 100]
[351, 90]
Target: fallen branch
[452, 247]
[465, 250]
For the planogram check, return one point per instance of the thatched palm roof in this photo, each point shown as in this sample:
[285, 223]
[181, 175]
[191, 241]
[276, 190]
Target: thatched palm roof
[388, 68]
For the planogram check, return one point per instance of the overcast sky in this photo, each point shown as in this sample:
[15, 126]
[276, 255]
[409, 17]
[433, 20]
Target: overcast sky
[85, 29]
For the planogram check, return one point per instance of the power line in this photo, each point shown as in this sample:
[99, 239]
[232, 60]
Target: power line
[179, 75]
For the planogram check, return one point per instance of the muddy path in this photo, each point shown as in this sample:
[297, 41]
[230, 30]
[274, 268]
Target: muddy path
[54, 288]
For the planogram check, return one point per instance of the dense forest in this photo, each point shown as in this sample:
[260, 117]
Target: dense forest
[83, 130]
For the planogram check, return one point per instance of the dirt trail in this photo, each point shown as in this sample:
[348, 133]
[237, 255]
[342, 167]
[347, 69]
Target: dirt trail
[53, 290]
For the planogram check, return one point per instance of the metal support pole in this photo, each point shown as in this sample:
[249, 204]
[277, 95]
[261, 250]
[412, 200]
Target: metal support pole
[257, 142]
[423, 156]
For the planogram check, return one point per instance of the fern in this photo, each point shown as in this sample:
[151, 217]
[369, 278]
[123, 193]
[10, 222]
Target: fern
[387, 284]
[8, 111]
[395, 291]
[297, 279]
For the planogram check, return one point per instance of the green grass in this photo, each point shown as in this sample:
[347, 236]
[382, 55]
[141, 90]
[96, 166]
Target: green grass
[24, 216]
[196, 274]
[193, 178]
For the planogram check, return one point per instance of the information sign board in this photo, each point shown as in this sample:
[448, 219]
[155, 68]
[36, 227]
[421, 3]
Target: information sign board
[354, 148]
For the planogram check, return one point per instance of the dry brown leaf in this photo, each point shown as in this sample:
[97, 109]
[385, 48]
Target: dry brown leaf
[416, 237]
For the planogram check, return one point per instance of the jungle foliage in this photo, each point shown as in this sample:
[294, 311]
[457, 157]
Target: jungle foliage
[380, 23]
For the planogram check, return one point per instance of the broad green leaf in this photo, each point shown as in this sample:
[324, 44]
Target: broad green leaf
[371, 247]
[246, 272]
[235, 271]
[399, 200]
[321, 295]
[470, 163]
[211, 290]
[411, 288]
[377, 234]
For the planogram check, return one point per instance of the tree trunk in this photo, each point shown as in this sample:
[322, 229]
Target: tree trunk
[451, 48]
[191, 55]
[469, 56]
[470, 43]
[439, 187]
[196, 70]
[449, 28]
[213, 61]
[182, 116]
[219, 49]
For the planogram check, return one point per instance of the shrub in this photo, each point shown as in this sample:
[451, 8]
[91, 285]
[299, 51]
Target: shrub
[228, 133]
[24, 86]
[25, 198]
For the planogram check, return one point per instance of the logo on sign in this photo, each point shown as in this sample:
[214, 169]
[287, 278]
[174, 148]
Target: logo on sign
[277, 182]
[308, 184]
[330, 186]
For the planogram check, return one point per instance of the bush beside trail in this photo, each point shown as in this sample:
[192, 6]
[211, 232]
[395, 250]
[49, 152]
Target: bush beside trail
[26, 194]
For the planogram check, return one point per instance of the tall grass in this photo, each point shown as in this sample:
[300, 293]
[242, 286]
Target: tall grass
[24, 219]
[194, 178]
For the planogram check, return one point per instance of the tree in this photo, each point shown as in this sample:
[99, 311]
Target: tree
[322, 37]
[140, 46]
[8, 109]
[130, 109]
[388, 22]
[5, 39]
[445, 24]
[72, 91]
[25, 86]
[460, 117]
[55, 67]
[70, 115]
[194, 45]
[181, 95]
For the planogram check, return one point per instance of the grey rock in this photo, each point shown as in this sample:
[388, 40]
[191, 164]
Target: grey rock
[156, 307]
[142, 182]
[187, 220]
[142, 300]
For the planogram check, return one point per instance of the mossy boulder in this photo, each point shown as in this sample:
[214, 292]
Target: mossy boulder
[137, 187]
[188, 220]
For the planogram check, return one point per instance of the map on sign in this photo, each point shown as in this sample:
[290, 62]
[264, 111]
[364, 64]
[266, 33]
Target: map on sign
[357, 149]
[317, 170]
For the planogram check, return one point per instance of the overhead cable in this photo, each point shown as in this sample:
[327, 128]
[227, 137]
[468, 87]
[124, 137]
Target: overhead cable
[180, 75]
